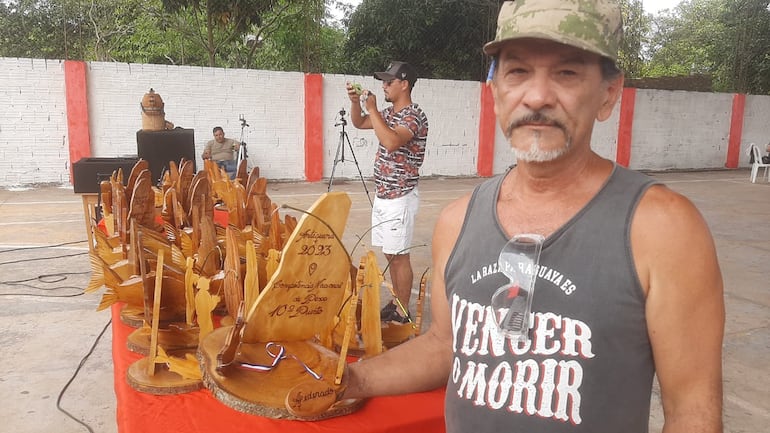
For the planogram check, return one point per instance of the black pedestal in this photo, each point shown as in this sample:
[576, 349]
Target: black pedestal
[89, 172]
[160, 147]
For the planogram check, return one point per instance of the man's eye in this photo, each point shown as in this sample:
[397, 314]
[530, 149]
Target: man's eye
[516, 71]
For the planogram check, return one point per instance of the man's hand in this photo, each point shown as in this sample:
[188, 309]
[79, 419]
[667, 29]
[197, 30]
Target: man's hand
[370, 101]
[354, 92]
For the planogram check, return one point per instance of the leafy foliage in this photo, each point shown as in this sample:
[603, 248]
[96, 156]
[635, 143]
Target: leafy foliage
[441, 38]
[301, 42]
[636, 26]
[38, 29]
[128, 30]
[728, 40]
[217, 24]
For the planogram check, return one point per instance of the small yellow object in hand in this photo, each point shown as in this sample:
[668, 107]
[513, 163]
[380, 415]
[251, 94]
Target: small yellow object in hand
[357, 87]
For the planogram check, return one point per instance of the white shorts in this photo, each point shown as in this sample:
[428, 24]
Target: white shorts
[393, 222]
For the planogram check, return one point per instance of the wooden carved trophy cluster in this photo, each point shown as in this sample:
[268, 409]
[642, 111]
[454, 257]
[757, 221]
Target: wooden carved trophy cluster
[159, 246]
[225, 294]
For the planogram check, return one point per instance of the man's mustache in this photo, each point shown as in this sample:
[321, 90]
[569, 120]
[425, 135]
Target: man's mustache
[536, 118]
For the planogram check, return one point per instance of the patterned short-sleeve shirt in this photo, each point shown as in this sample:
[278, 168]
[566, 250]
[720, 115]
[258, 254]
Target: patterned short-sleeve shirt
[397, 173]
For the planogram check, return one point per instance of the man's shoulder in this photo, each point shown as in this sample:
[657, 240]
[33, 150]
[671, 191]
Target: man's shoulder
[411, 113]
[415, 108]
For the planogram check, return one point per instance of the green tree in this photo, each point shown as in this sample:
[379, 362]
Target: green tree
[441, 38]
[294, 34]
[683, 38]
[305, 40]
[635, 30]
[41, 29]
[218, 24]
[727, 39]
[742, 57]
[127, 30]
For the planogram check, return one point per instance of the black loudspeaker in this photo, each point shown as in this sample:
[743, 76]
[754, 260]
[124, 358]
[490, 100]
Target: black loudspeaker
[89, 172]
[160, 147]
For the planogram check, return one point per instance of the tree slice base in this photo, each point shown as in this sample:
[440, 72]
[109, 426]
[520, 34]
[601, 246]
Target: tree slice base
[310, 398]
[163, 382]
[132, 316]
[264, 393]
[170, 339]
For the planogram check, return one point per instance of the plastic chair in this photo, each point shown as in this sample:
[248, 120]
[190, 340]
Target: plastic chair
[757, 164]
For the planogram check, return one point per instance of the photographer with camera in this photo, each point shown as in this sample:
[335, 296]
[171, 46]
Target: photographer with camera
[402, 131]
[223, 151]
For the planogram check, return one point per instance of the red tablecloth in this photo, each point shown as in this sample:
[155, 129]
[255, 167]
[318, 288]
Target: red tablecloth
[199, 411]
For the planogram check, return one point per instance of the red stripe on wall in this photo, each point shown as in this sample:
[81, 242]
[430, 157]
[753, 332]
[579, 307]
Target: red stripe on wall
[736, 131]
[487, 128]
[314, 137]
[626, 126]
[77, 111]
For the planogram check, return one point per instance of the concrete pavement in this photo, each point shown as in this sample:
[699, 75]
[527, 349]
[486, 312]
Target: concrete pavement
[47, 328]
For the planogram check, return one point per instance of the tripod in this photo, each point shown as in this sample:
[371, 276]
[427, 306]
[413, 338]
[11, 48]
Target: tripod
[340, 154]
[243, 153]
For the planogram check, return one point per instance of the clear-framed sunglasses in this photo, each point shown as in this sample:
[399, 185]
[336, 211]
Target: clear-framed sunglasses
[512, 303]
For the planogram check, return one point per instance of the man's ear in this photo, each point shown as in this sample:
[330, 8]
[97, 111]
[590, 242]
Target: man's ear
[612, 93]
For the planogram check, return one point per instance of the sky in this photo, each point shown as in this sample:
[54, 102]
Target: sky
[654, 6]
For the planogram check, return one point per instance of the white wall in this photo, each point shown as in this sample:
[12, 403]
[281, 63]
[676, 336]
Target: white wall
[680, 130]
[756, 125]
[200, 98]
[672, 129]
[33, 122]
[362, 142]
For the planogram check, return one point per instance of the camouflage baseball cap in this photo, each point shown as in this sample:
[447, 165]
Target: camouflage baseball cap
[591, 25]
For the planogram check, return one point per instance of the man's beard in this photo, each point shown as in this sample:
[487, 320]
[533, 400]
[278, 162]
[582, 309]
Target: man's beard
[535, 153]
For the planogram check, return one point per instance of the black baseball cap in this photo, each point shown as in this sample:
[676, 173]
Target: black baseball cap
[400, 71]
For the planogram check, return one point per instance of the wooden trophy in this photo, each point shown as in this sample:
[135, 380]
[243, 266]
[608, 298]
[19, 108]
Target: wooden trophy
[394, 333]
[271, 363]
[158, 373]
[372, 336]
[174, 332]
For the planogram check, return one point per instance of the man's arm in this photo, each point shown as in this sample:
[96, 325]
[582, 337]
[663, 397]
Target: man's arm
[423, 363]
[677, 265]
[206, 151]
[390, 138]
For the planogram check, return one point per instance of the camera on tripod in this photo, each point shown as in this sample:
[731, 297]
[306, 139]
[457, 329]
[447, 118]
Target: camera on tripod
[340, 154]
[243, 153]
[342, 121]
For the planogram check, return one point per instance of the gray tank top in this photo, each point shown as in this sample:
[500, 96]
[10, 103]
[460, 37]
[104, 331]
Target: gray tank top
[588, 365]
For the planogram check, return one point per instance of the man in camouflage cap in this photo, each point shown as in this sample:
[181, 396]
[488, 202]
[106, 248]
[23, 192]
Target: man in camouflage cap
[627, 285]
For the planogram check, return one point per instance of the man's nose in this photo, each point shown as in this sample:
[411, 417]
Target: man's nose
[540, 92]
